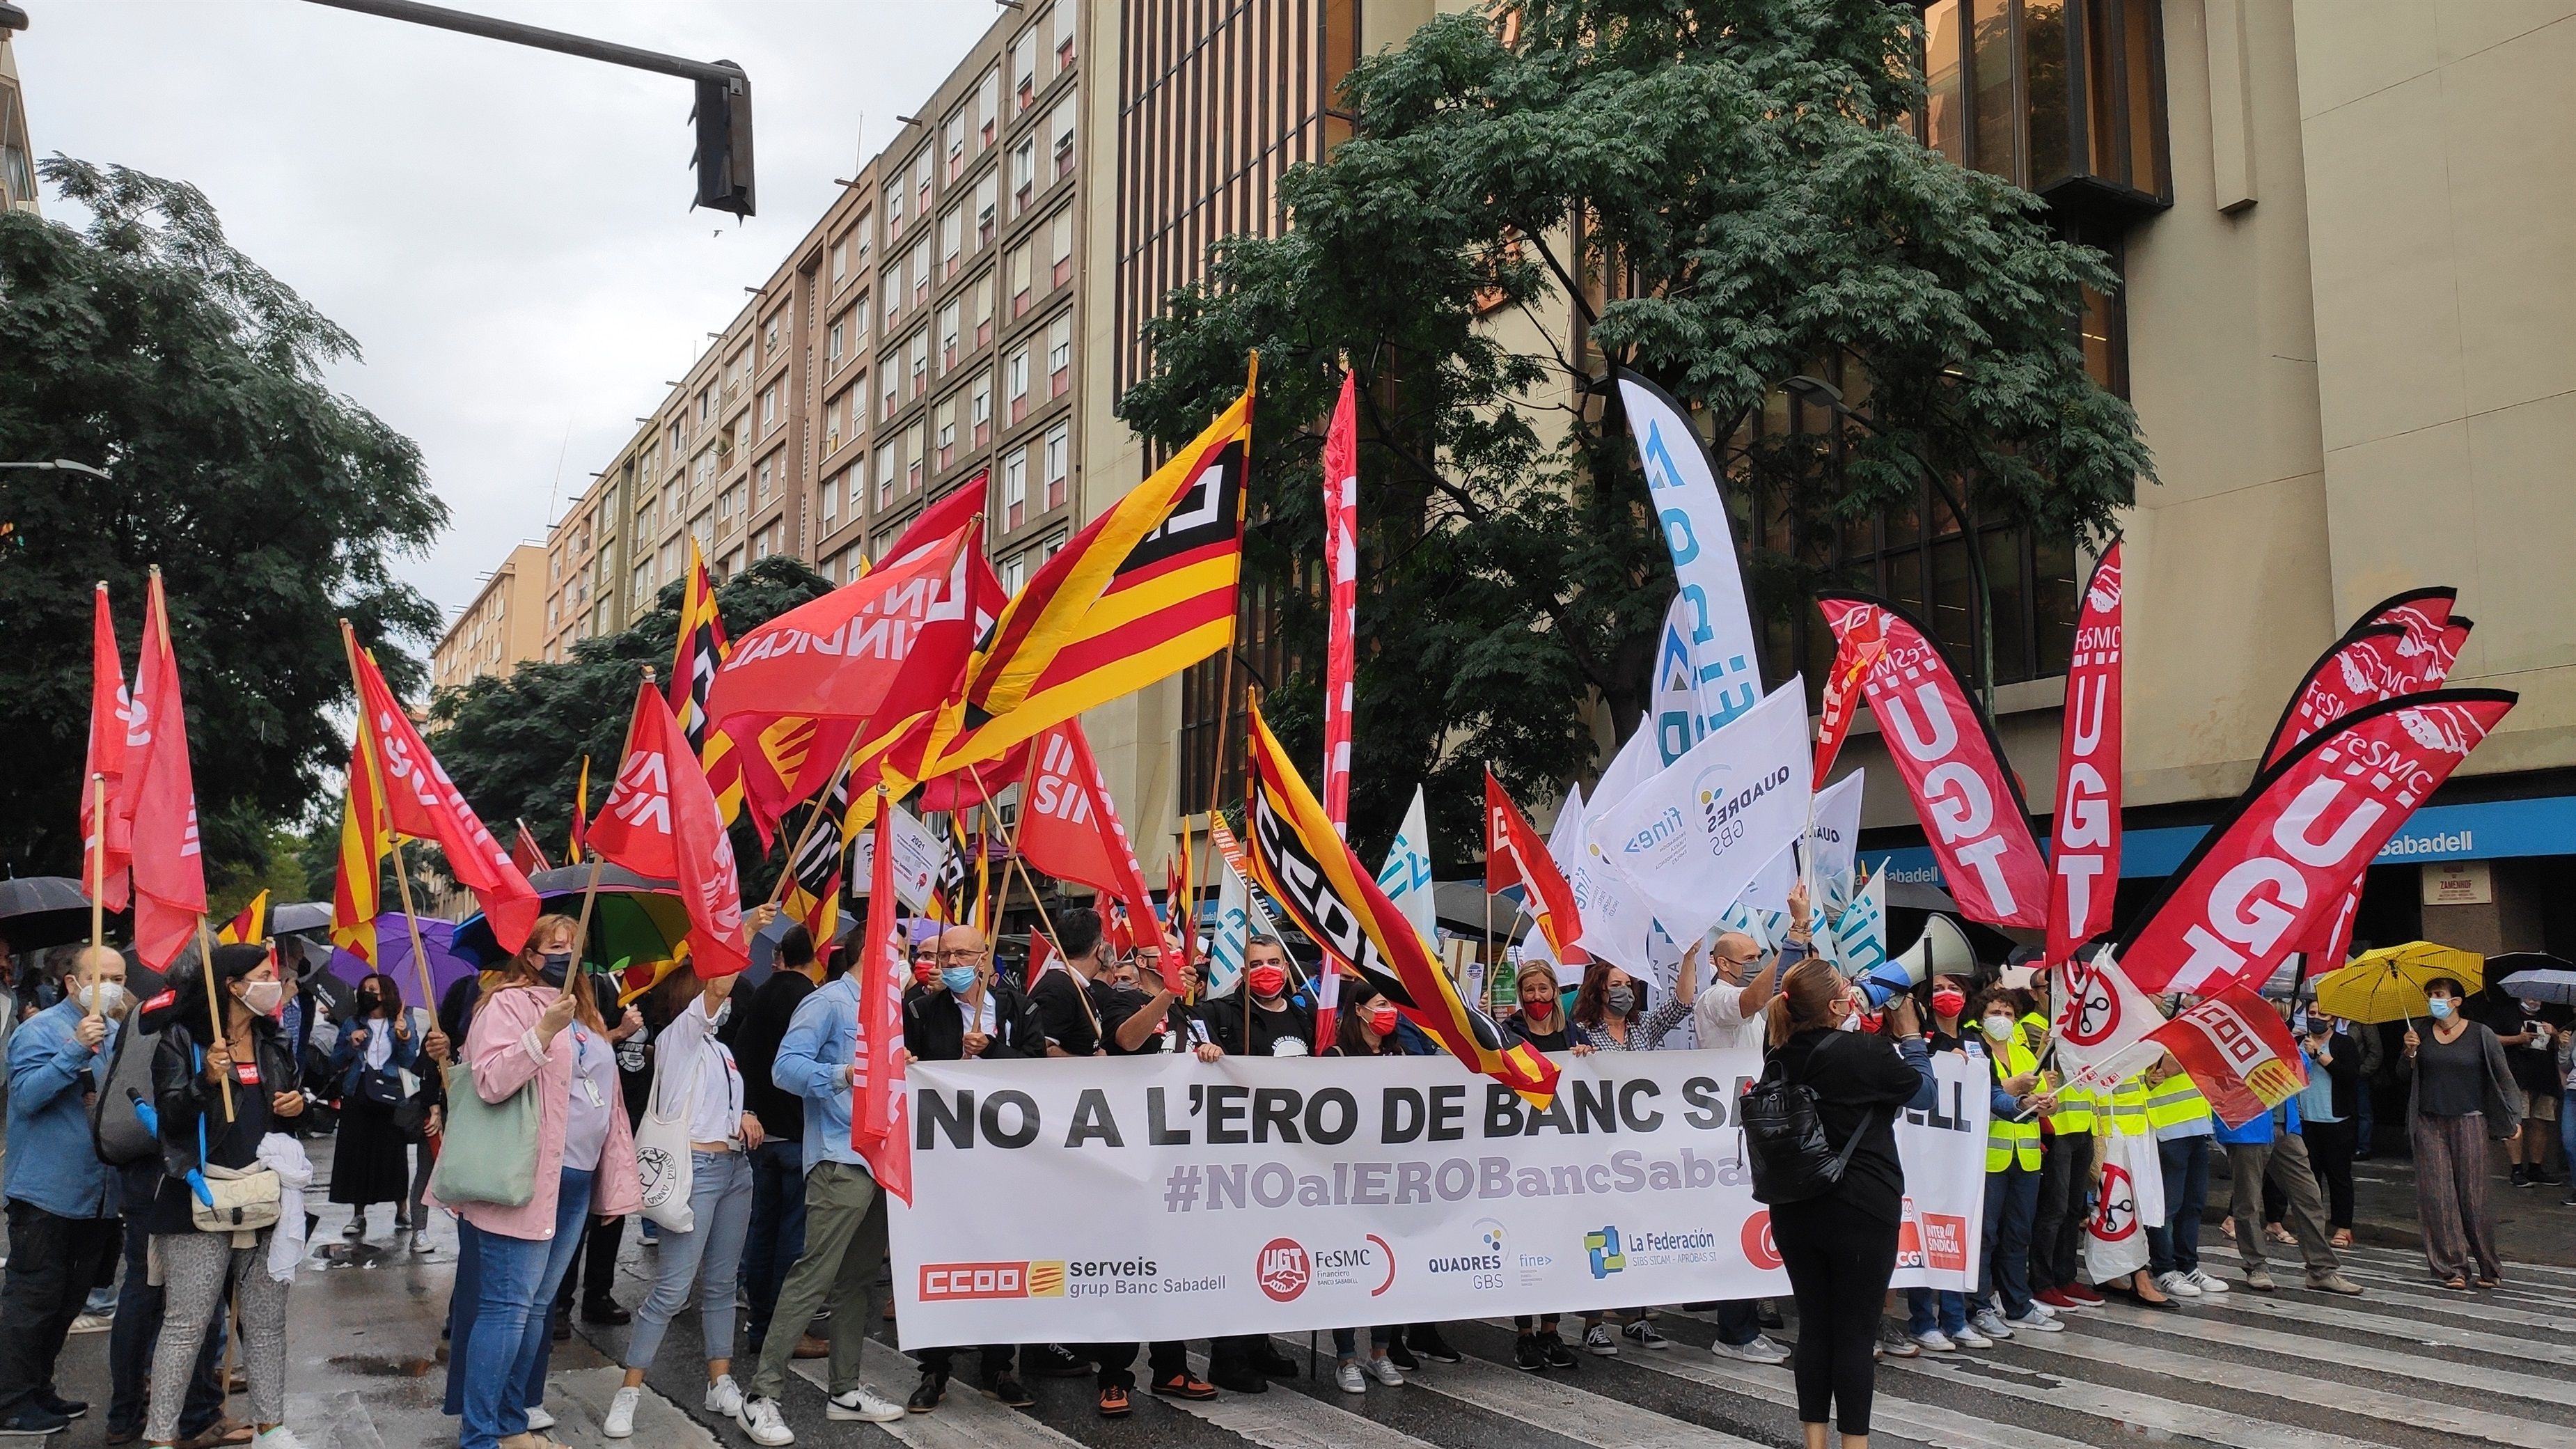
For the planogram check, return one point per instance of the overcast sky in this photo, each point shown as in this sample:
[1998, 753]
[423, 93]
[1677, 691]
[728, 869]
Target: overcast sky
[505, 231]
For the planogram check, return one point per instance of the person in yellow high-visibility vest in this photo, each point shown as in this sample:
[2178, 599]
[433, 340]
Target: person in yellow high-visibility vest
[2012, 1171]
[2179, 1116]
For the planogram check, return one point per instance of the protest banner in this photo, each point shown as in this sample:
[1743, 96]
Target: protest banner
[1256, 1195]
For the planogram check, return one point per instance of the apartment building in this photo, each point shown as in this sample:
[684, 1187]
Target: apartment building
[17, 153]
[919, 335]
[501, 629]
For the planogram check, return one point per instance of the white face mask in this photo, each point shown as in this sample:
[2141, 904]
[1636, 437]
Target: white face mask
[262, 997]
[1998, 1027]
[107, 998]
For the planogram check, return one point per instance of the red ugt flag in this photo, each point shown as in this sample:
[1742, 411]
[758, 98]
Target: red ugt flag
[421, 802]
[1070, 830]
[1515, 856]
[2084, 861]
[2239, 1053]
[1341, 566]
[105, 857]
[160, 801]
[662, 820]
[878, 1130]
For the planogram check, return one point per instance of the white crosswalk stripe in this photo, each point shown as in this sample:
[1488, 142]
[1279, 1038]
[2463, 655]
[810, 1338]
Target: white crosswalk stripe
[1557, 1406]
[1889, 1413]
[2208, 1329]
[1286, 1419]
[965, 1419]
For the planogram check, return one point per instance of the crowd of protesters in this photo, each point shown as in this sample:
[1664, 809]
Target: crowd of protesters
[203, 1213]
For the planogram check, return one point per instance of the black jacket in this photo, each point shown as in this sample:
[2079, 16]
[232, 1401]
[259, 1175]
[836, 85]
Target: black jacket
[1860, 1082]
[935, 1031]
[760, 1023]
[183, 1098]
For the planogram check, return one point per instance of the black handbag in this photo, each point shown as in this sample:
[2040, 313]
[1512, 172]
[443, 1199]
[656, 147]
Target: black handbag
[1784, 1141]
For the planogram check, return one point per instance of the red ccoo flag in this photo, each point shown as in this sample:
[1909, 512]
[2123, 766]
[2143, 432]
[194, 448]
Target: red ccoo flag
[2239, 1053]
[662, 820]
[1515, 856]
[105, 857]
[160, 800]
[422, 803]
[878, 1129]
[525, 853]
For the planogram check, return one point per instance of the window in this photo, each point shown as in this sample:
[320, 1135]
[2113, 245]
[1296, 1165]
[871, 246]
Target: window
[2064, 97]
[988, 107]
[981, 412]
[830, 503]
[1015, 273]
[768, 408]
[1024, 68]
[894, 208]
[769, 340]
[858, 481]
[724, 504]
[706, 403]
[1060, 136]
[912, 458]
[832, 341]
[988, 191]
[953, 135]
[760, 544]
[1015, 488]
[1059, 451]
[947, 434]
[1024, 171]
[1064, 41]
[891, 370]
[840, 260]
[643, 582]
[1016, 385]
[919, 369]
[858, 318]
[948, 322]
[1060, 355]
[921, 173]
[864, 232]
[887, 463]
[760, 495]
[918, 267]
[951, 229]
[832, 422]
[983, 309]
[894, 294]
[1014, 572]
[1060, 248]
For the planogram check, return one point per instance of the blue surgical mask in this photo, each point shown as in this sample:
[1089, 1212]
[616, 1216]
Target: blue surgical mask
[2441, 1008]
[958, 979]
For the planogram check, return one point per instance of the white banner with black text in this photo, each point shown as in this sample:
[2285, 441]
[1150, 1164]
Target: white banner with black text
[1159, 1197]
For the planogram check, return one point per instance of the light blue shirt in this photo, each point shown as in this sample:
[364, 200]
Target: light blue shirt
[51, 1161]
[822, 1037]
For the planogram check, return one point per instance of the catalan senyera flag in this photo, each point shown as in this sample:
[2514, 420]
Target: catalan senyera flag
[1306, 866]
[580, 815]
[357, 895]
[248, 928]
[1144, 591]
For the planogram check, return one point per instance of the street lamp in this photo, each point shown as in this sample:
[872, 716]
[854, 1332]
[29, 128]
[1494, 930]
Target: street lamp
[1816, 392]
[62, 465]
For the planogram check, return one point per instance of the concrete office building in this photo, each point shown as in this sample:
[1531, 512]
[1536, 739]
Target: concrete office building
[17, 153]
[503, 628]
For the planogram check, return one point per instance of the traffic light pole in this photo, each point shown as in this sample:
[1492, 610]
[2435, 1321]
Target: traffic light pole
[724, 91]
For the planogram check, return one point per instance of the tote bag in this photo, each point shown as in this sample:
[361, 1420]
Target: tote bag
[663, 1168]
[489, 1149]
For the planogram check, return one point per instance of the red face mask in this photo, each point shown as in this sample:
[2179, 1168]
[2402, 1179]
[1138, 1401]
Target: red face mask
[1949, 1003]
[1382, 1020]
[1266, 980]
[924, 972]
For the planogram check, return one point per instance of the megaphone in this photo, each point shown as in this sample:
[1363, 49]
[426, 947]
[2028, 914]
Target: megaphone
[1942, 949]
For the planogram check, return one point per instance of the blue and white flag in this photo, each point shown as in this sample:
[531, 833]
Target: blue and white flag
[1710, 616]
[1860, 937]
[1239, 918]
[1406, 876]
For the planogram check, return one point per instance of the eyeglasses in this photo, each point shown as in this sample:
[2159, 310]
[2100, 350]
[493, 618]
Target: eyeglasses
[962, 958]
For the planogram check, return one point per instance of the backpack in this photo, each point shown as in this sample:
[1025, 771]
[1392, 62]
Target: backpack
[116, 1128]
[1784, 1141]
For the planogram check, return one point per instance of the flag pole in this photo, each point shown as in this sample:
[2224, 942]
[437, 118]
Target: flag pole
[98, 860]
[813, 817]
[1251, 708]
[214, 1010]
[1011, 849]
[411, 918]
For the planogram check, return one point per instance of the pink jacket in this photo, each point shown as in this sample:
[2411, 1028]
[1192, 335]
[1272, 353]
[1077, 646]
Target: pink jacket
[501, 1048]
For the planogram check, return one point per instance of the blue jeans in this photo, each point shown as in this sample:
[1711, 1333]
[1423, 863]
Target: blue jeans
[2012, 1196]
[1346, 1342]
[710, 1254]
[776, 1238]
[2567, 1141]
[501, 1317]
[2362, 1117]
[1931, 1309]
[1739, 1322]
[2174, 1245]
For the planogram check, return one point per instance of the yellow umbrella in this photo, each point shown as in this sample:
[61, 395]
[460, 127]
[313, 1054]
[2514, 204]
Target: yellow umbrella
[2388, 984]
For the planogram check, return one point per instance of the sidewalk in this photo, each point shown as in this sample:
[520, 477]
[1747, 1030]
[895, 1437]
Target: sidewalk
[2530, 1224]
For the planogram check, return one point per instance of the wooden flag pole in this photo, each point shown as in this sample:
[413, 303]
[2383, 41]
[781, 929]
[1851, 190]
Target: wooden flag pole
[214, 1008]
[581, 931]
[778, 888]
[411, 918]
[98, 860]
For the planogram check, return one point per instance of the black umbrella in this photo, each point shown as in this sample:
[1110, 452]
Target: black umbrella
[37, 911]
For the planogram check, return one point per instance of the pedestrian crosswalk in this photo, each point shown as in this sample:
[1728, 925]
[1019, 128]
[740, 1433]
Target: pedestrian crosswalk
[2402, 1367]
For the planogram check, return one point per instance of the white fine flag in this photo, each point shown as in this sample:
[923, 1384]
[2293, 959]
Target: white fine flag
[1694, 836]
[1616, 919]
[1239, 918]
[1406, 879]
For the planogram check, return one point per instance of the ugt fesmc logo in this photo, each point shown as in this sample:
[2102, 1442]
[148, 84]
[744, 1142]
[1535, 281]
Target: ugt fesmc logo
[1282, 1269]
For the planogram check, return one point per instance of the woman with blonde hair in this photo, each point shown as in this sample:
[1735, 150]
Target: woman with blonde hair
[538, 1029]
[1840, 1246]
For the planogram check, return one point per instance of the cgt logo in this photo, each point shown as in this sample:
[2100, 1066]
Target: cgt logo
[2090, 1013]
[1759, 1250]
[1282, 1269]
[1602, 1244]
[962, 1282]
[2117, 1218]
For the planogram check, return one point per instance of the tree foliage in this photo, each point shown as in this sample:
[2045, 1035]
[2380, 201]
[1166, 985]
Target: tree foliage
[145, 344]
[1721, 194]
[514, 744]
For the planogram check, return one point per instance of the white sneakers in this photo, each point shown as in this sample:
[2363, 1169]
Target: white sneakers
[1968, 1337]
[539, 1420]
[2206, 1283]
[2178, 1284]
[620, 1422]
[1936, 1341]
[1352, 1376]
[1987, 1322]
[762, 1421]
[1760, 1350]
[1347, 1374]
[2036, 1321]
[859, 1405]
[724, 1397]
[1386, 1371]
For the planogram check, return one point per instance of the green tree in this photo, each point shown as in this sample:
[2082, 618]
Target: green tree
[1724, 194]
[514, 744]
[145, 344]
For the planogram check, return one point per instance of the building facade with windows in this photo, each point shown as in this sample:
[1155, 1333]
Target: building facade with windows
[503, 628]
[17, 153]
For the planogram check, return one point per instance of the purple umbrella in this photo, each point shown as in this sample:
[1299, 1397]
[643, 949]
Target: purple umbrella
[393, 951]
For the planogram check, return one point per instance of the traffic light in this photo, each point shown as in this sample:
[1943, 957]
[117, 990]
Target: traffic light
[723, 119]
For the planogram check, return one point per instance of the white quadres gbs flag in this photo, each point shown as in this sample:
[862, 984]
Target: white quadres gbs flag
[1697, 833]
